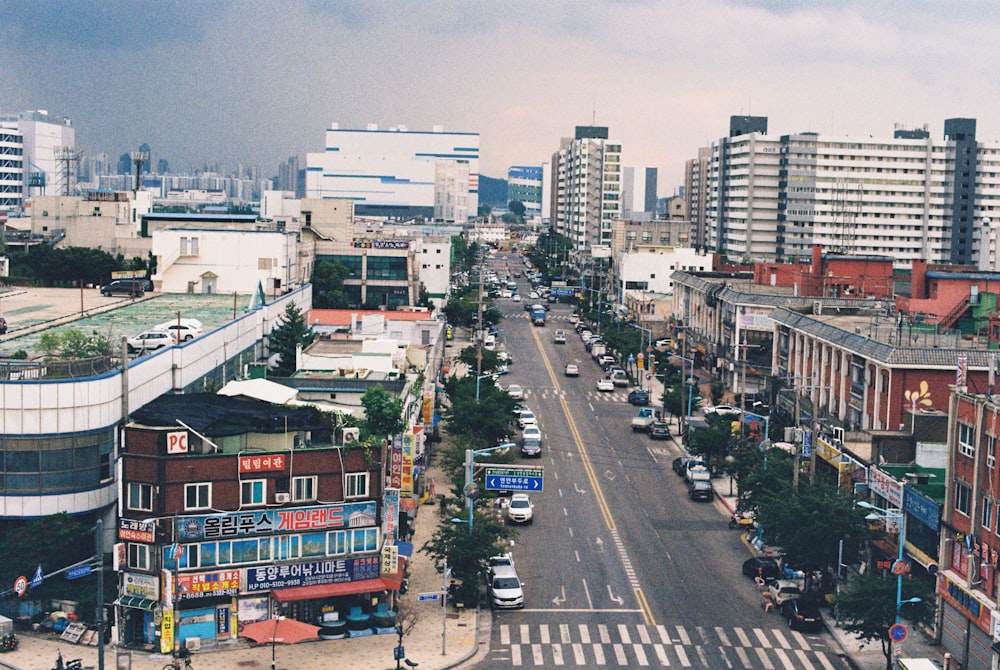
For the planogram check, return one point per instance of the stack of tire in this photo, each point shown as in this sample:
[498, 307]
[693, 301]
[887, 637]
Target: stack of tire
[359, 624]
[384, 619]
[332, 630]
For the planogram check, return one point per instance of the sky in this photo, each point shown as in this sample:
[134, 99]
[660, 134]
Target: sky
[256, 82]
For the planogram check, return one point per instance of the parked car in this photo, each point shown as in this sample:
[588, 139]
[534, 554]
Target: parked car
[659, 430]
[150, 340]
[764, 566]
[133, 287]
[642, 420]
[605, 385]
[803, 614]
[680, 465]
[700, 489]
[527, 419]
[638, 396]
[724, 410]
[516, 297]
[515, 392]
[572, 370]
[3, 326]
[185, 329]
[505, 587]
[619, 378]
[520, 509]
[783, 590]
[531, 443]
[662, 342]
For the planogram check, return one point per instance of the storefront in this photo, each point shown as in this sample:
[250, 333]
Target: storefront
[136, 611]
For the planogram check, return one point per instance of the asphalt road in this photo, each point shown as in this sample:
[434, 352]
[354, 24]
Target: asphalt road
[620, 568]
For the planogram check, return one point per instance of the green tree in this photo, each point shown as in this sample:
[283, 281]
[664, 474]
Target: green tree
[867, 607]
[516, 208]
[328, 285]
[486, 422]
[73, 343]
[491, 359]
[289, 333]
[383, 412]
[711, 442]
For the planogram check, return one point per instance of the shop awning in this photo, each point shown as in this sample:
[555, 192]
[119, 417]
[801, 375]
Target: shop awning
[137, 602]
[405, 548]
[383, 583]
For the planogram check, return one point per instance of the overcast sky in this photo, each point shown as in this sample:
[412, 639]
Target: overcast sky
[206, 81]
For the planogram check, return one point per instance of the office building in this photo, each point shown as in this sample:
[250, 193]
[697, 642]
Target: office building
[38, 156]
[524, 184]
[397, 173]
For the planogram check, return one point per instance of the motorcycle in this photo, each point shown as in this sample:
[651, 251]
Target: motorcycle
[742, 520]
[72, 664]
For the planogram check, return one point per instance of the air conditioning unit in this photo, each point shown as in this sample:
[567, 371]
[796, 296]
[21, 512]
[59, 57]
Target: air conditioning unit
[352, 434]
[192, 643]
[282, 497]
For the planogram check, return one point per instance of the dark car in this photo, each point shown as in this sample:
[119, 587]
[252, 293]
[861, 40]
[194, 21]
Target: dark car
[638, 397]
[803, 614]
[659, 430]
[700, 489]
[133, 287]
[765, 566]
[680, 465]
[532, 447]
[3, 326]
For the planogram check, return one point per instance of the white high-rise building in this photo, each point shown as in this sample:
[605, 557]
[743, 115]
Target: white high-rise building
[39, 150]
[397, 173]
[908, 196]
[586, 190]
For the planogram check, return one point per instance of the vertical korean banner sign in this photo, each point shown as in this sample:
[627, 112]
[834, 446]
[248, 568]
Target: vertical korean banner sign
[396, 462]
[406, 486]
[390, 514]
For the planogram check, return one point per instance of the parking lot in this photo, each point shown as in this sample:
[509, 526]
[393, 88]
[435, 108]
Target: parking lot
[32, 311]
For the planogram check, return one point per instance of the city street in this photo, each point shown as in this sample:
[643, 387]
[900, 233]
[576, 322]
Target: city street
[621, 569]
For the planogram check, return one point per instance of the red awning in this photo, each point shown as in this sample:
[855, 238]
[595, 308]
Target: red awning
[383, 583]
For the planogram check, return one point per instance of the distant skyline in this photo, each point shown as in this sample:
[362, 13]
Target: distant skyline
[206, 81]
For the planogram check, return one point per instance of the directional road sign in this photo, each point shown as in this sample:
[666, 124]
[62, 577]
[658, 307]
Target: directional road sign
[422, 597]
[79, 571]
[514, 479]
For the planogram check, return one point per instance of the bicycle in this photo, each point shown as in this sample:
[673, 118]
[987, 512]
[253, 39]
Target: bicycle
[181, 655]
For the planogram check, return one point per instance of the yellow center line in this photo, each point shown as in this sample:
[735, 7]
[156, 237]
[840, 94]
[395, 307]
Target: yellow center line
[581, 449]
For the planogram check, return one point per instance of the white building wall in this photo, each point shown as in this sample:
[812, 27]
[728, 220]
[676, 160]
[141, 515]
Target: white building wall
[44, 134]
[389, 167]
[655, 265]
[240, 260]
[434, 267]
[11, 166]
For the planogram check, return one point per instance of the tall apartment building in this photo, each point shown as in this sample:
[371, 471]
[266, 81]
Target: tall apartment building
[909, 196]
[38, 155]
[696, 188]
[586, 187]
[524, 184]
[396, 173]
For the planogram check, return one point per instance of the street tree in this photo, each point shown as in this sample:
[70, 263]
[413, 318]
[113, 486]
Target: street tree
[466, 549]
[328, 285]
[383, 412]
[72, 343]
[711, 442]
[491, 359]
[516, 208]
[867, 608]
[291, 331]
[487, 421]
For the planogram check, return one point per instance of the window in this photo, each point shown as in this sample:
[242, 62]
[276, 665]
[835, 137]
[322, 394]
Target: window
[303, 488]
[356, 485]
[253, 492]
[198, 496]
[987, 512]
[963, 496]
[966, 440]
[991, 451]
[138, 556]
[140, 496]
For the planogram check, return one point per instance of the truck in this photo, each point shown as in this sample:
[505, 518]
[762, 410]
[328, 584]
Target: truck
[538, 315]
[646, 416]
[598, 350]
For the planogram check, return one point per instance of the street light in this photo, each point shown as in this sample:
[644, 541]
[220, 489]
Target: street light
[649, 349]
[478, 377]
[691, 380]
[877, 513]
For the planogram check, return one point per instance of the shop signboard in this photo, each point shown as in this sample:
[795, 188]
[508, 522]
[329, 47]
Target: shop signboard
[208, 584]
[311, 573]
[253, 463]
[141, 586]
[406, 485]
[269, 522]
[167, 631]
[390, 514]
[133, 530]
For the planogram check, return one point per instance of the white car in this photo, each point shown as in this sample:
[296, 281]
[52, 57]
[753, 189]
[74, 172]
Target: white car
[186, 329]
[527, 419]
[520, 509]
[516, 298]
[605, 385]
[572, 370]
[532, 432]
[533, 295]
[151, 340]
[515, 392]
[724, 410]
[663, 342]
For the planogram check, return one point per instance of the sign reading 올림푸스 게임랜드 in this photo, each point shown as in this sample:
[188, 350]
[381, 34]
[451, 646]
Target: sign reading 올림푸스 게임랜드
[267, 522]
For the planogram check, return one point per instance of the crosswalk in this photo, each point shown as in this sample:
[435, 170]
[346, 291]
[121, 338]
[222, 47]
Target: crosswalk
[620, 395]
[636, 645]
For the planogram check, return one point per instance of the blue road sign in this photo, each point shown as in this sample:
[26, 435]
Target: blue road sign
[79, 571]
[515, 483]
[898, 632]
[423, 597]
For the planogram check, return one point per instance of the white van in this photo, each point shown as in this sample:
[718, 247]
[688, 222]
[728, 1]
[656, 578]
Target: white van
[505, 588]
[490, 342]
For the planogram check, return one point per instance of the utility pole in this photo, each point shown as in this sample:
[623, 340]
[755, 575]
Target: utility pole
[479, 319]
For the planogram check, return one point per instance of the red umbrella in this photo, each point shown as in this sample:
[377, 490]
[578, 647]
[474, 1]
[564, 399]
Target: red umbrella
[285, 631]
